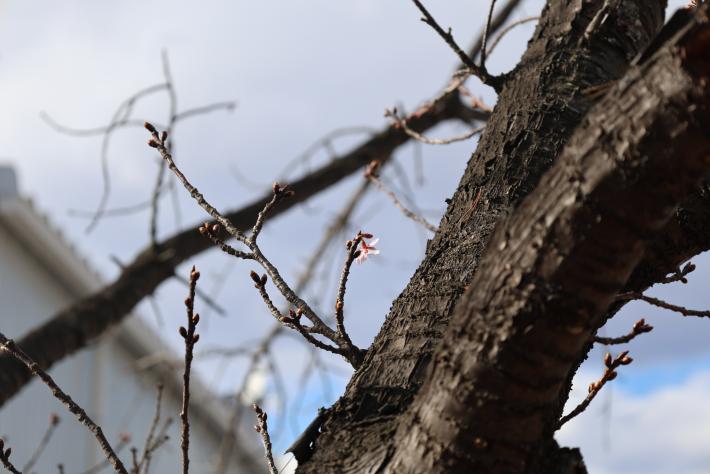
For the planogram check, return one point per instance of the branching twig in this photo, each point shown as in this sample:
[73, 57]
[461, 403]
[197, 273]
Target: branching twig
[9, 346]
[640, 327]
[402, 123]
[53, 423]
[633, 295]
[371, 173]
[345, 348]
[190, 340]
[148, 446]
[680, 274]
[595, 387]
[5, 458]
[447, 36]
[263, 428]
[507, 30]
[486, 32]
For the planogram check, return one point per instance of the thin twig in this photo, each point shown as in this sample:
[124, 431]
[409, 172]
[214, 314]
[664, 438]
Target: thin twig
[352, 353]
[402, 123]
[663, 304]
[353, 252]
[263, 428]
[147, 452]
[447, 36]
[680, 274]
[5, 458]
[9, 346]
[371, 174]
[640, 327]
[595, 387]
[507, 30]
[190, 340]
[44, 441]
[486, 32]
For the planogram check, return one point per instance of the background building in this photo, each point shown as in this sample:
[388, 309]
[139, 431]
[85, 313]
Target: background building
[40, 273]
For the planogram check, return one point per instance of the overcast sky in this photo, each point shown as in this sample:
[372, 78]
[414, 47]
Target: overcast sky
[298, 70]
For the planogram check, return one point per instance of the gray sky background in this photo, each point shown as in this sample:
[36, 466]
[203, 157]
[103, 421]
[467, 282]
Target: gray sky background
[298, 70]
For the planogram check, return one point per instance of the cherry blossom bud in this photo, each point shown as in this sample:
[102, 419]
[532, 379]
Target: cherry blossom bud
[149, 126]
[254, 276]
[183, 332]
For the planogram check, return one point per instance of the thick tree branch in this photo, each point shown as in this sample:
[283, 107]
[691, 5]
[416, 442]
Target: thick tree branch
[536, 112]
[556, 265]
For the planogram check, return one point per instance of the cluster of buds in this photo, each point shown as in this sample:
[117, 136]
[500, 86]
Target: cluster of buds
[261, 416]
[294, 317]
[4, 453]
[282, 190]
[611, 365]
[259, 281]
[189, 333]
[206, 229]
[157, 140]
[641, 327]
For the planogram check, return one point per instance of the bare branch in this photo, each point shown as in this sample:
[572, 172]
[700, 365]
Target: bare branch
[371, 175]
[9, 346]
[486, 32]
[595, 387]
[508, 29]
[447, 36]
[640, 327]
[190, 340]
[5, 458]
[263, 428]
[663, 304]
[401, 122]
[44, 441]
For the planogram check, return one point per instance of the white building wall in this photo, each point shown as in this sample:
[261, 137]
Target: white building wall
[103, 379]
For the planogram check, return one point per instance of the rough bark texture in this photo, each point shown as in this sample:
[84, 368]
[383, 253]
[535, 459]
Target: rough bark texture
[491, 402]
[541, 104]
[73, 328]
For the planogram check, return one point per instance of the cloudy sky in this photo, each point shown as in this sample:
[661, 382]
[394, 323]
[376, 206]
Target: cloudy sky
[298, 70]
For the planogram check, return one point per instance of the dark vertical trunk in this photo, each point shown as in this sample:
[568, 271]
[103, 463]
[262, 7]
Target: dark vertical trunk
[544, 99]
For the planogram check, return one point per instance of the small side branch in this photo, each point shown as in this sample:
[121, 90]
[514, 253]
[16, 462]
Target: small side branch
[371, 173]
[595, 387]
[474, 69]
[5, 458]
[640, 327]
[46, 438]
[402, 123]
[9, 346]
[663, 304]
[188, 334]
[263, 428]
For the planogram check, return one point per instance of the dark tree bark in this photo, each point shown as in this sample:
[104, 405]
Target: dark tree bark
[492, 400]
[543, 101]
[473, 365]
